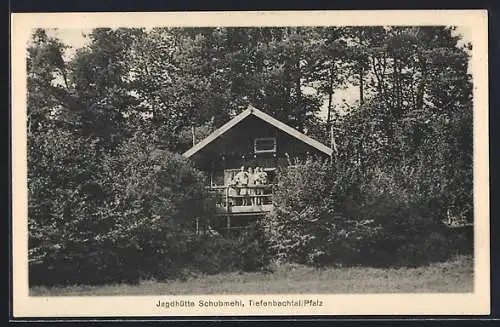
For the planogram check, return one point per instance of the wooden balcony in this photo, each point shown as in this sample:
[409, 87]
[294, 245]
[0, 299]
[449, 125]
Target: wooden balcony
[231, 201]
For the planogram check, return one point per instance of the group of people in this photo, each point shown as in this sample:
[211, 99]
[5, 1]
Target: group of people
[249, 184]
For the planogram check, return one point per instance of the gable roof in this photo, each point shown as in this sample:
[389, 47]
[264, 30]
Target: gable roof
[267, 118]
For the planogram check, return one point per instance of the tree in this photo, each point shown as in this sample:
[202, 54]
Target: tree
[45, 65]
[406, 125]
[100, 73]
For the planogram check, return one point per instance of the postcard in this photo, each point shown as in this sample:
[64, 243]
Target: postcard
[266, 163]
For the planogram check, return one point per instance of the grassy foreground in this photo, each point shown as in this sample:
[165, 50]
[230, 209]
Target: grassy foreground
[452, 276]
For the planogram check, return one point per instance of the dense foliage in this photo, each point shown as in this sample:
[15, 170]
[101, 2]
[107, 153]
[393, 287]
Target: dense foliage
[319, 219]
[110, 197]
[112, 219]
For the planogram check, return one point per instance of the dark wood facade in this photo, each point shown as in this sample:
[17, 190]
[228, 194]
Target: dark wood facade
[251, 139]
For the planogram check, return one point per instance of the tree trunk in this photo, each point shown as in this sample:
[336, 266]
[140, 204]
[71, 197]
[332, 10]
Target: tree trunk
[360, 62]
[330, 98]
[194, 135]
[361, 98]
[298, 109]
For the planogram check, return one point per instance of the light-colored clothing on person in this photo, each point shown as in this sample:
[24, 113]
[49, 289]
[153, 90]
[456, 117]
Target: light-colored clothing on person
[231, 192]
[262, 178]
[241, 179]
[252, 179]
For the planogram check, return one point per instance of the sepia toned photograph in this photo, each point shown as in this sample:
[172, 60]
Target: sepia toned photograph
[241, 169]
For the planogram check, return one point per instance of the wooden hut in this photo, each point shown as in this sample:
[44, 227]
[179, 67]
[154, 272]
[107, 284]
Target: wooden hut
[251, 139]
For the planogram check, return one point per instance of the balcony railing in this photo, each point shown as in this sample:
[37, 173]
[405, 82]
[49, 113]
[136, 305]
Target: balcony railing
[243, 199]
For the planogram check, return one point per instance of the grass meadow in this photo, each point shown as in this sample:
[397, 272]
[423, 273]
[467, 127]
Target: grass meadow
[454, 276]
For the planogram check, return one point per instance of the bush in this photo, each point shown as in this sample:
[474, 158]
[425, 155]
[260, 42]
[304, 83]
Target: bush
[411, 231]
[209, 254]
[108, 218]
[212, 255]
[303, 217]
[322, 218]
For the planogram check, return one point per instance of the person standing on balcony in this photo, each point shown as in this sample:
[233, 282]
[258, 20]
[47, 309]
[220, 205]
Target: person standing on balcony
[232, 191]
[241, 180]
[251, 184]
[258, 189]
[262, 180]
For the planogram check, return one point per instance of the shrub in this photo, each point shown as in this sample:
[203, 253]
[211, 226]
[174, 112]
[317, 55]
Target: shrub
[109, 218]
[222, 254]
[211, 254]
[410, 219]
[303, 217]
[321, 218]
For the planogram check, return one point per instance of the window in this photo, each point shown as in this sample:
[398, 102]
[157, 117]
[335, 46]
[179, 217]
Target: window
[264, 144]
